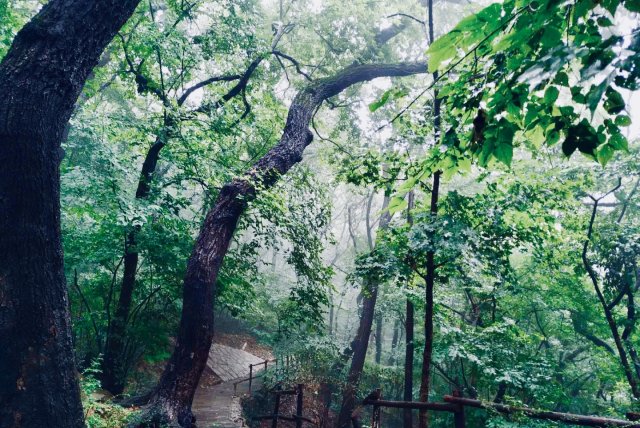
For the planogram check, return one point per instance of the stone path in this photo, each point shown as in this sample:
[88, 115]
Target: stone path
[230, 363]
[217, 406]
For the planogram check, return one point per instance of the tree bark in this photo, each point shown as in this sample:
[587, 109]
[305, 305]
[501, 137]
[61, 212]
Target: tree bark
[41, 78]
[174, 395]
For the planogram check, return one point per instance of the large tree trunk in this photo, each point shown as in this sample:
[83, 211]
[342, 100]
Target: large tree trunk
[360, 343]
[174, 395]
[41, 78]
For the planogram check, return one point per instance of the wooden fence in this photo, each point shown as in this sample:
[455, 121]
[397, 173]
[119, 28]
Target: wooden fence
[298, 418]
[456, 404]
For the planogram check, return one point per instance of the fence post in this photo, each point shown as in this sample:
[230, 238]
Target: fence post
[299, 405]
[375, 416]
[458, 417]
[276, 411]
[250, 376]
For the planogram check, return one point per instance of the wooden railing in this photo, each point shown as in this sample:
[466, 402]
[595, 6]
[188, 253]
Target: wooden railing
[298, 418]
[455, 404]
[251, 376]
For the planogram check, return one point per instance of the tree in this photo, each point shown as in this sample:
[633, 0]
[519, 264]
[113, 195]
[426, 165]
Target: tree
[41, 77]
[360, 343]
[115, 365]
[174, 395]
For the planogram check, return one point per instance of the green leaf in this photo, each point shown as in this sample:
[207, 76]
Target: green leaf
[464, 164]
[632, 5]
[623, 120]
[391, 94]
[614, 103]
[397, 204]
[604, 154]
[619, 142]
[441, 50]
[595, 95]
[504, 153]
[551, 95]
[382, 101]
[582, 7]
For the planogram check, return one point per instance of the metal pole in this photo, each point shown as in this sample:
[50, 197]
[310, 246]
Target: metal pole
[250, 376]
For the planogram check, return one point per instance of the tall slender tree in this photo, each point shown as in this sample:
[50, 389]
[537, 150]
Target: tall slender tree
[360, 343]
[431, 266]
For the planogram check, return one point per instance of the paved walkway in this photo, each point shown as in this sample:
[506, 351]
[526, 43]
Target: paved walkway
[217, 406]
[230, 363]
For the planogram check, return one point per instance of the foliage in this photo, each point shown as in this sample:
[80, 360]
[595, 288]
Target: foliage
[520, 70]
[98, 412]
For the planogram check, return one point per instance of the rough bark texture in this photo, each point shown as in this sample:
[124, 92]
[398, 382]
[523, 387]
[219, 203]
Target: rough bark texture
[41, 78]
[360, 343]
[174, 395]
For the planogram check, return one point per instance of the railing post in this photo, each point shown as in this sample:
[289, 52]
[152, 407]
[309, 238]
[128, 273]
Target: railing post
[299, 405]
[458, 417]
[375, 416]
[276, 412]
[250, 376]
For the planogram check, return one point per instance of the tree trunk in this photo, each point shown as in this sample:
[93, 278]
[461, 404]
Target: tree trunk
[613, 327]
[174, 395]
[41, 78]
[428, 312]
[407, 415]
[378, 338]
[431, 268]
[408, 365]
[395, 338]
[360, 342]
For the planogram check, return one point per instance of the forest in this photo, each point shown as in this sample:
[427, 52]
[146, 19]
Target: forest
[318, 213]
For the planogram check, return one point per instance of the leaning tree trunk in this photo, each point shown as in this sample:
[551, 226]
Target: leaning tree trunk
[360, 343]
[41, 78]
[174, 395]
